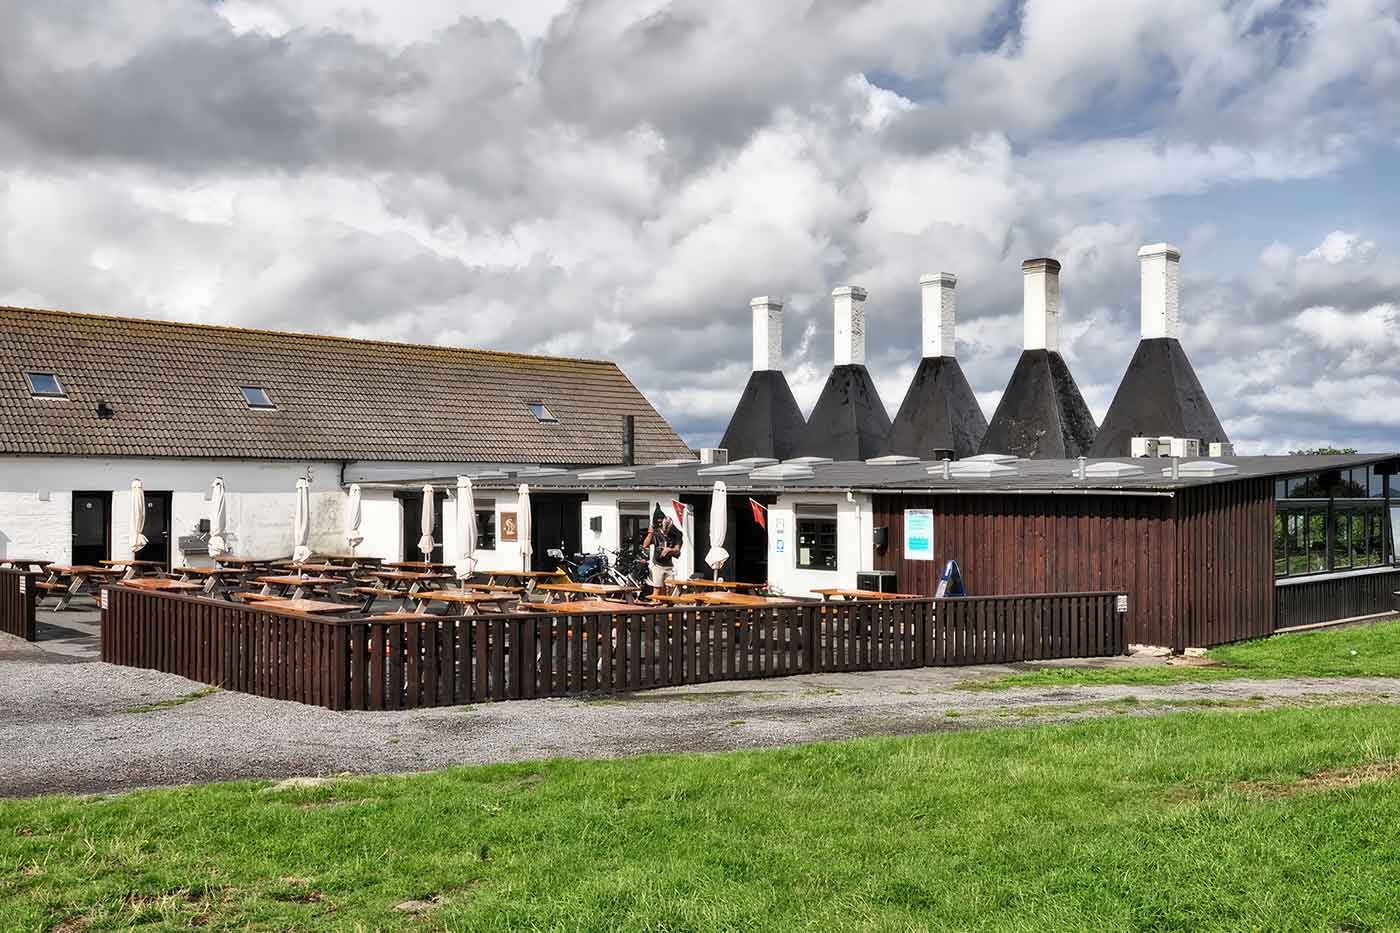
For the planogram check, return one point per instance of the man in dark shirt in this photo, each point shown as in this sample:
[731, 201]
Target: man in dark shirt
[664, 542]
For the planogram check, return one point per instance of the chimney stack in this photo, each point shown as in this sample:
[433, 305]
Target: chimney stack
[939, 312]
[1041, 299]
[1161, 313]
[767, 334]
[849, 308]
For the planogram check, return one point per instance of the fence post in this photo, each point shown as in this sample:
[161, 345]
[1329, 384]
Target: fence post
[811, 634]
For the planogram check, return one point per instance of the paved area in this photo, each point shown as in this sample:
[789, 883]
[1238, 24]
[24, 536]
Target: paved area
[68, 724]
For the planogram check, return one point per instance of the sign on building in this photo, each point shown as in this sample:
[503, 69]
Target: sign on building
[918, 534]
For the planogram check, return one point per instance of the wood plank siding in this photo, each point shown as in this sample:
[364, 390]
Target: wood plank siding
[1305, 602]
[1197, 566]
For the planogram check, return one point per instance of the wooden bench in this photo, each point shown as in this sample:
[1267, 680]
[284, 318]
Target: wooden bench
[369, 594]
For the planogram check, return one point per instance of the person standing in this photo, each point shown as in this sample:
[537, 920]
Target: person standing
[664, 543]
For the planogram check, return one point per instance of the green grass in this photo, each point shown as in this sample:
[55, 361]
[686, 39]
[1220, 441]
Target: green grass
[1364, 651]
[1212, 820]
[159, 705]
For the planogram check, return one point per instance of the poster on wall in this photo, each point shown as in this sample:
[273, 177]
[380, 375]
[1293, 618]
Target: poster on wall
[918, 534]
[509, 530]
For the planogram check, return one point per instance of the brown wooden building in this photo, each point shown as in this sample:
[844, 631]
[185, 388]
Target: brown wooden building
[1207, 551]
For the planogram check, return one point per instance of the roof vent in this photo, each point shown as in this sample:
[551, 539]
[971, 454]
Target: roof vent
[974, 469]
[678, 461]
[1111, 469]
[808, 461]
[783, 471]
[892, 460]
[1199, 468]
[990, 458]
[489, 474]
[541, 471]
[752, 462]
[724, 469]
[714, 455]
[608, 474]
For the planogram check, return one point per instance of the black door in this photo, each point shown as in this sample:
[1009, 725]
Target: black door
[156, 529]
[92, 527]
[413, 526]
[747, 541]
[556, 522]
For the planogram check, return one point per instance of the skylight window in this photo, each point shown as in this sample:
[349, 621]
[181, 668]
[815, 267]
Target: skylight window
[540, 412]
[45, 385]
[256, 397]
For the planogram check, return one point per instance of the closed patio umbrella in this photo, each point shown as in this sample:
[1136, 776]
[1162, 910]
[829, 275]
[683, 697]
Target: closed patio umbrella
[138, 517]
[425, 540]
[301, 523]
[218, 520]
[719, 521]
[466, 528]
[354, 515]
[522, 525]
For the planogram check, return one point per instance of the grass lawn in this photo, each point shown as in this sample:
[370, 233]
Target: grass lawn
[1278, 820]
[1364, 651]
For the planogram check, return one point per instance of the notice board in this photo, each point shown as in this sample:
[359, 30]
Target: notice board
[918, 534]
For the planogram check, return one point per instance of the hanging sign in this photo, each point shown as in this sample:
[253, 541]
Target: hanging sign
[918, 534]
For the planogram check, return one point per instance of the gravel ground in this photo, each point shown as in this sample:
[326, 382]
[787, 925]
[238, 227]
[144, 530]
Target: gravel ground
[70, 725]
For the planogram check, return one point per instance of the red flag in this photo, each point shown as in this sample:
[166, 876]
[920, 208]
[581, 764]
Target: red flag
[758, 514]
[679, 508]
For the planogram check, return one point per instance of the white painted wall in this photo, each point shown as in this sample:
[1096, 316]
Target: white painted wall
[260, 499]
[855, 544]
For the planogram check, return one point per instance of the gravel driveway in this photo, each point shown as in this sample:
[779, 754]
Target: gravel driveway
[82, 726]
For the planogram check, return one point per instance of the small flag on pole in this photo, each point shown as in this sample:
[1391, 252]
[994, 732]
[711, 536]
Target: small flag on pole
[759, 515]
[679, 508]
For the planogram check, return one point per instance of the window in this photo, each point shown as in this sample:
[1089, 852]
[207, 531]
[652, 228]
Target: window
[1330, 523]
[257, 397]
[45, 385]
[816, 537]
[633, 519]
[540, 412]
[486, 524]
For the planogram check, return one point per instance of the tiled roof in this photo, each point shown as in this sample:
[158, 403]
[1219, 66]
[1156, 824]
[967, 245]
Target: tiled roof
[174, 392]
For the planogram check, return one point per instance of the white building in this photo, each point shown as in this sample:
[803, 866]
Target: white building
[89, 403]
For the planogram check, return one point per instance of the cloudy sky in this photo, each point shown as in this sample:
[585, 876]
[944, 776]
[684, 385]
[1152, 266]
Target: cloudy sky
[616, 178]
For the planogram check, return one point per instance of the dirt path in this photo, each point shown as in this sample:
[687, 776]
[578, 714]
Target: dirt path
[92, 727]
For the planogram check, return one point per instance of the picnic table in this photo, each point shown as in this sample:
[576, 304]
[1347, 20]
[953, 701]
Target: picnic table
[133, 568]
[296, 583]
[162, 584]
[307, 606]
[23, 563]
[526, 578]
[469, 600]
[830, 593]
[417, 565]
[70, 580]
[414, 579]
[212, 577]
[311, 568]
[742, 599]
[582, 606]
[356, 561]
[572, 590]
[697, 583]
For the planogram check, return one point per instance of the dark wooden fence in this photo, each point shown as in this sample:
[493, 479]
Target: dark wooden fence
[349, 664]
[1307, 602]
[17, 603]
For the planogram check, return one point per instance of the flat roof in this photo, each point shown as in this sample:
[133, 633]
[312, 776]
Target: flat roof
[1030, 476]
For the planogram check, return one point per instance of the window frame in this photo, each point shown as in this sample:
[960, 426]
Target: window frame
[270, 406]
[34, 391]
[811, 520]
[544, 415]
[486, 532]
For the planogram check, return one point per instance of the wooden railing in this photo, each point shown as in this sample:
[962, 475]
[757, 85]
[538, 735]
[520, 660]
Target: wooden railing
[446, 661]
[17, 603]
[1333, 596]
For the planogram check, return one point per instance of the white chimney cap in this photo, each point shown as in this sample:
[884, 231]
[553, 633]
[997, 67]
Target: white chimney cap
[939, 307]
[1041, 297]
[848, 307]
[1161, 307]
[767, 333]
